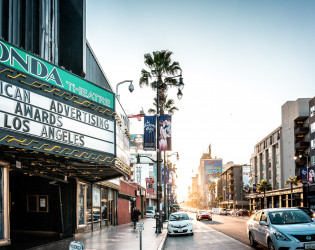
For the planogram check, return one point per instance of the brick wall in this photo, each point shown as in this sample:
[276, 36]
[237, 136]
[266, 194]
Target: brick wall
[124, 215]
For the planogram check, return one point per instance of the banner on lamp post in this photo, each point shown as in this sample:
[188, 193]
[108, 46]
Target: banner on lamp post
[311, 175]
[149, 133]
[165, 130]
[304, 175]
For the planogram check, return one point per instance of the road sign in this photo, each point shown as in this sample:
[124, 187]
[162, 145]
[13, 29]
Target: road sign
[140, 226]
[76, 245]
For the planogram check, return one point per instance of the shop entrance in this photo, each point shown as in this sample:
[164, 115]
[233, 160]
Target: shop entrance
[35, 215]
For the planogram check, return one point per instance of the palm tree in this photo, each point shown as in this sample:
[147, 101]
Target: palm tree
[264, 186]
[211, 190]
[220, 198]
[292, 181]
[168, 105]
[161, 72]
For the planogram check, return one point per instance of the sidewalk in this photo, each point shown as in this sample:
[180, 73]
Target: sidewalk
[115, 237]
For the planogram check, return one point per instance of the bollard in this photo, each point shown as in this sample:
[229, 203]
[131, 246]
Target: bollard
[140, 227]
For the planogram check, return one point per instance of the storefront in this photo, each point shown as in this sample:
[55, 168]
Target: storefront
[58, 137]
[277, 198]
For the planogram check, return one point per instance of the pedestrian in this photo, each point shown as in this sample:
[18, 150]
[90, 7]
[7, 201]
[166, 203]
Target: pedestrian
[135, 216]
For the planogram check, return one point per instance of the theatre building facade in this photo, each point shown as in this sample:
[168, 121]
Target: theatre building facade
[64, 137]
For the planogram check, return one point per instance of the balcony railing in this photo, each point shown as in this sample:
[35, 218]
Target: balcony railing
[301, 130]
[302, 145]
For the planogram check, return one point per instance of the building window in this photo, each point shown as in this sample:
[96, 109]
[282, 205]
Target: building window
[313, 144]
[37, 203]
[277, 184]
[277, 171]
[313, 127]
[313, 161]
[277, 148]
[312, 111]
[277, 160]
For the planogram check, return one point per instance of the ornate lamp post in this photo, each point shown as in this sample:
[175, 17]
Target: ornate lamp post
[161, 85]
[165, 182]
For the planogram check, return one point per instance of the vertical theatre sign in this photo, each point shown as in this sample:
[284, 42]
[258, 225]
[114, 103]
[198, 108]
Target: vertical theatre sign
[47, 109]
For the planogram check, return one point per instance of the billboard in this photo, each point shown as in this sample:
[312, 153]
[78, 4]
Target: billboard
[149, 133]
[212, 170]
[311, 174]
[165, 133]
[304, 175]
[245, 175]
[136, 141]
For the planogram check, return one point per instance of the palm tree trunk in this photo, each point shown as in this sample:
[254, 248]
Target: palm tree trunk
[265, 200]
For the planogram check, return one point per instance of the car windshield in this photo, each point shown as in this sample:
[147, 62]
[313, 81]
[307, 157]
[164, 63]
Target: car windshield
[289, 217]
[202, 212]
[176, 217]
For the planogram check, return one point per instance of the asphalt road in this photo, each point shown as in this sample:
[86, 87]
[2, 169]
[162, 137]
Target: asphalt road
[205, 237]
[234, 227]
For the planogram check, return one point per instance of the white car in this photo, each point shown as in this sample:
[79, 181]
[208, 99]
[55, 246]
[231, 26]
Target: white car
[150, 214]
[281, 228]
[180, 223]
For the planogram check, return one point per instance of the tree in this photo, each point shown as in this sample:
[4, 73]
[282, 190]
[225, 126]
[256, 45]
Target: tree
[168, 106]
[220, 198]
[161, 72]
[264, 186]
[212, 187]
[293, 182]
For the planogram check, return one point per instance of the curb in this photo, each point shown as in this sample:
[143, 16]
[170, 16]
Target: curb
[162, 244]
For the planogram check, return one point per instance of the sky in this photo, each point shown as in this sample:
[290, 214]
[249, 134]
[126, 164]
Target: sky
[241, 61]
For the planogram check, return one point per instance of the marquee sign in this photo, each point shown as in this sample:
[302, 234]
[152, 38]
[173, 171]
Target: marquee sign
[25, 112]
[42, 70]
[46, 109]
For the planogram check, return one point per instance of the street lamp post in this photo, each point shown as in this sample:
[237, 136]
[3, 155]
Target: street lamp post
[161, 85]
[165, 182]
[307, 176]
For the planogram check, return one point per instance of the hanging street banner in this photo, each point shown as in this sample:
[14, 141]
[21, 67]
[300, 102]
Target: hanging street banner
[150, 185]
[311, 174]
[45, 71]
[149, 133]
[165, 143]
[304, 175]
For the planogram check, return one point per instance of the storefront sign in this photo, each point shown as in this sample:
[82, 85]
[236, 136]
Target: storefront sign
[28, 113]
[40, 69]
[122, 138]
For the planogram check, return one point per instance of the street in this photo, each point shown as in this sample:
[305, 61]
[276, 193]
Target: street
[216, 234]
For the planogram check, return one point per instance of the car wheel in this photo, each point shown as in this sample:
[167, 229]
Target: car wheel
[252, 242]
[270, 245]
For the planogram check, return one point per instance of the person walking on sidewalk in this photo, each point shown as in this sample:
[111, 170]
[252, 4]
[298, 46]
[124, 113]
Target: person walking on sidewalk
[135, 216]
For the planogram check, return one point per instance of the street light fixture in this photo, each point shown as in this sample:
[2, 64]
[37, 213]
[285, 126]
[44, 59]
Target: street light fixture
[131, 87]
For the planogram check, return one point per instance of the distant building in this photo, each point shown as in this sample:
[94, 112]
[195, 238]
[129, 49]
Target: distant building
[274, 158]
[232, 187]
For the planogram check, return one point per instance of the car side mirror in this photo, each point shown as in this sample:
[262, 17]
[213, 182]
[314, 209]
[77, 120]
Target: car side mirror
[313, 219]
[262, 223]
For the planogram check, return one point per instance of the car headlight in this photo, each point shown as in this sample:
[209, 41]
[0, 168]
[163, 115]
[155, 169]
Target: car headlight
[280, 236]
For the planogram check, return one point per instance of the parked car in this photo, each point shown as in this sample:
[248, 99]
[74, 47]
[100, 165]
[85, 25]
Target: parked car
[242, 212]
[150, 214]
[223, 211]
[203, 215]
[281, 228]
[310, 212]
[179, 223]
